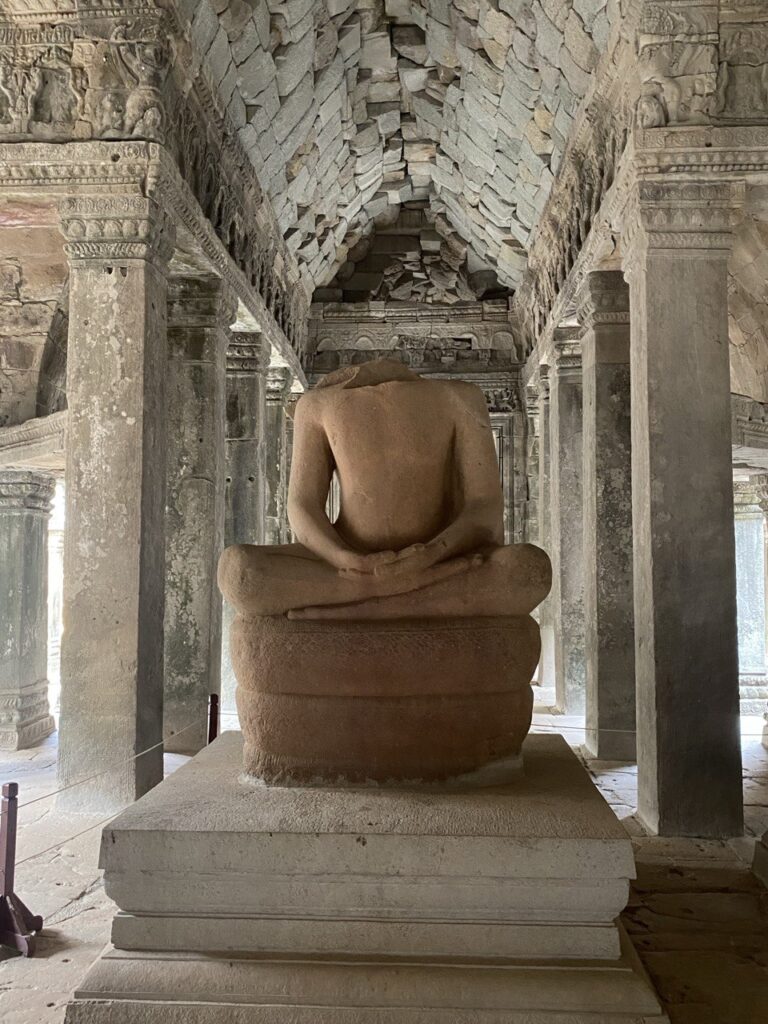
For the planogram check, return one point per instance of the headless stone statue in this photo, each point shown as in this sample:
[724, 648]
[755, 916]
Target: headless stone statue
[420, 531]
[421, 665]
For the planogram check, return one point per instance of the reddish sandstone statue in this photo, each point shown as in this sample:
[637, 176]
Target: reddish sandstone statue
[395, 643]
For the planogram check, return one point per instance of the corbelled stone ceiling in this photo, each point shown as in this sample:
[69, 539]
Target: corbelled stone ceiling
[437, 122]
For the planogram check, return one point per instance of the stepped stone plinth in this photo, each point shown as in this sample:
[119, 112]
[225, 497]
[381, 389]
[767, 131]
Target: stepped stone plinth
[368, 905]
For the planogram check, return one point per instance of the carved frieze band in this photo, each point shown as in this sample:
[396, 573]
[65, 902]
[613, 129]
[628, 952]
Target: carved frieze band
[116, 228]
[25, 491]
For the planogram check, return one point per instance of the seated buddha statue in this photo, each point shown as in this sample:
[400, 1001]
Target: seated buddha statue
[396, 642]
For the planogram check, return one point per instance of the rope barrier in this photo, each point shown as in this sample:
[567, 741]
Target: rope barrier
[62, 842]
[105, 771]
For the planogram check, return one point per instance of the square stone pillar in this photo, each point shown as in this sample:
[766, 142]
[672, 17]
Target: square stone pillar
[608, 596]
[547, 663]
[532, 457]
[200, 311]
[688, 743]
[25, 505]
[760, 485]
[567, 552]
[246, 490]
[247, 366]
[114, 545]
[277, 455]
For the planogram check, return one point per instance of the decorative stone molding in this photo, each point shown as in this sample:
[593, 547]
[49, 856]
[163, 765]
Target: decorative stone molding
[566, 355]
[25, 491]
[681, 215]
[116, 228]
[248, 353]
[501, 398]
[36, 442]
[603, 299]
[759, 490]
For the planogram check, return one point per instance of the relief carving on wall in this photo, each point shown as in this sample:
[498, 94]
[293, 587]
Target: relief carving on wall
[742, 90]
[56, 85]
[95, 76]
[701, 63]
[678, 59]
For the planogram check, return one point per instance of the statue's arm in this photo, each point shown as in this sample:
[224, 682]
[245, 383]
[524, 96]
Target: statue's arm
[312, 468]
[311, 472]
[479, 519]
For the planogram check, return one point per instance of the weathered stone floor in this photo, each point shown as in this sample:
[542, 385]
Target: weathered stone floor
[697, 916]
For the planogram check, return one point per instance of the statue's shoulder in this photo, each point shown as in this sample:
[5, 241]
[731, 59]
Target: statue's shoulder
[464, 392]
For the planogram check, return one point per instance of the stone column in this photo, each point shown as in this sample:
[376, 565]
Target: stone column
[25, 505]
[114, 545]
[760, 486]
[608, 594]
[200, 311]
[567, 553]
[247, 365]
[533, 449]
[546, 624]
[278, 389]
[688, 744]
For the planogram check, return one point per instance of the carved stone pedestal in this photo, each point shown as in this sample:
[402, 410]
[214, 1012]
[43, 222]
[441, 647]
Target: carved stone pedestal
[427, 905]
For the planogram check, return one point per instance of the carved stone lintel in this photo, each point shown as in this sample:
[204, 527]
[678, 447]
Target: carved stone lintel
[248, 353]
[116, 227]
[24, 490]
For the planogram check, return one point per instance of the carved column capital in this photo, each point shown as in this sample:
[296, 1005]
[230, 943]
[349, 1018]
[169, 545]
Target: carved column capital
[23, 490]
[116, 227]
[566, 353]
[200, 302]
[278, 383]
[603, 299]
[686, 218]
[248, 353]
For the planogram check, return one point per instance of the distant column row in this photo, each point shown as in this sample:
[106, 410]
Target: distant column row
[641, 513]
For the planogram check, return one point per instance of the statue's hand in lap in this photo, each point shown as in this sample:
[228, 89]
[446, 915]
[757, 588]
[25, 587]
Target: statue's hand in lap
[420, 531]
